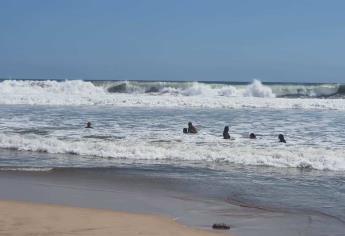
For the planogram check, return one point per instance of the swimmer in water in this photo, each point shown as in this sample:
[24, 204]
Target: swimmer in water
[226, 134]
[191, 128]
[281, 138]
[88, 125]
[252, 136]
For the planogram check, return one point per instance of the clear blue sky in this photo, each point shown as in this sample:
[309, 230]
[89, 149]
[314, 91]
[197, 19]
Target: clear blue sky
[223, 40]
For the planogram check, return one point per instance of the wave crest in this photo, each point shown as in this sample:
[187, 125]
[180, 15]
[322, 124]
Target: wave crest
[256, 89]
[171, 94]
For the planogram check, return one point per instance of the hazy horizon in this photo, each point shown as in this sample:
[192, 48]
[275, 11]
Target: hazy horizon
[273, 41]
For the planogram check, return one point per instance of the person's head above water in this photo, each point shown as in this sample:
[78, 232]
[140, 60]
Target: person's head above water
[281, 138]
[226, 134]
[88, 125]
[252, 136]
[191, 128]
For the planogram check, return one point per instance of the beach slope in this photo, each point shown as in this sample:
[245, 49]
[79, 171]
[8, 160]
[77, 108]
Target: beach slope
[21, 218]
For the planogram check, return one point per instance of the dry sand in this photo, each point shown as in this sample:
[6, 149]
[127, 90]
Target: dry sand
[21, 218]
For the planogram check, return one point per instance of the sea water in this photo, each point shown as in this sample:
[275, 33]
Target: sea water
[314, 138]
[139, 127]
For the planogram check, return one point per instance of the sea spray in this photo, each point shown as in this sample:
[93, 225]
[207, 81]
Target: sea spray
[170, 94]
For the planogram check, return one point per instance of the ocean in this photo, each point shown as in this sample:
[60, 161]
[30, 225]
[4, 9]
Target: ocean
[137, 128]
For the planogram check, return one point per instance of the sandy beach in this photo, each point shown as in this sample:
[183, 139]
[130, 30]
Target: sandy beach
[23, 218]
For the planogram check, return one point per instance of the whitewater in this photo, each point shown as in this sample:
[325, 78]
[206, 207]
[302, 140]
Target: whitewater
[111, 152]
[137, 131]
[173, 94]
[153, 134]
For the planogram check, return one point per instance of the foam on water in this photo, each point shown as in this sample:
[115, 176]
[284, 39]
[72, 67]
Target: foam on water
[44, 138]
[29, 169]
[182, 150]
[256, 89]
[153, 131]
[167, 94]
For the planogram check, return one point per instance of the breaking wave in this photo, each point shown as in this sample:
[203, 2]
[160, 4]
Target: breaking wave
[277, 156]
[193, 94]
[255, 89]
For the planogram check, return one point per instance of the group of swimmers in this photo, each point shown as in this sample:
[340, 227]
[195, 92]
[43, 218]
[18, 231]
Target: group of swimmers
[192, 130]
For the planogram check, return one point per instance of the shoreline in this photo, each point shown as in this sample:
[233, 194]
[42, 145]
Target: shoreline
[190, 202]
[26, 218]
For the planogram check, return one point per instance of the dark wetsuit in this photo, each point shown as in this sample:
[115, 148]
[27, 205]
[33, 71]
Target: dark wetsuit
[192, 130]
[226, 134]
[281, 138]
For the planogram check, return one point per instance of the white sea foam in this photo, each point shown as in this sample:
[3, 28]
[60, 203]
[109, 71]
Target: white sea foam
[33, 169]
[276, 156]
[195, 94]
[256, 89]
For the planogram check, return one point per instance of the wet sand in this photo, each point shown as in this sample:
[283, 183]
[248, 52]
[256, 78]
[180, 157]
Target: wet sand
[22, 218]
[150, 193]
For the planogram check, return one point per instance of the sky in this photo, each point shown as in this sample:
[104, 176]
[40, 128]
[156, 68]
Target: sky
[214, 40]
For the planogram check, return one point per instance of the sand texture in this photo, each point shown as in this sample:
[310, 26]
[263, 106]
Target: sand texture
[21, 218]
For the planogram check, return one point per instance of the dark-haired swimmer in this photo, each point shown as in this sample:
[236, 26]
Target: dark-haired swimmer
[88, 125]
[252, 136]
[281, 138]
[226, 134]
[191, 128]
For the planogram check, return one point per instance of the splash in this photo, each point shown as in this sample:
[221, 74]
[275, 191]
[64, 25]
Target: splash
[170, 94]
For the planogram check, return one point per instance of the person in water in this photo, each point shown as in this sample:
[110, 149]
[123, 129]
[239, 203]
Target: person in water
[252, 136]
[281, 138]
[226, 134]
[88, 125]
[191, 128]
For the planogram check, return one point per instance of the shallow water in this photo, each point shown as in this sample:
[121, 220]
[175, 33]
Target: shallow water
[314, 138]
[256, 201]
